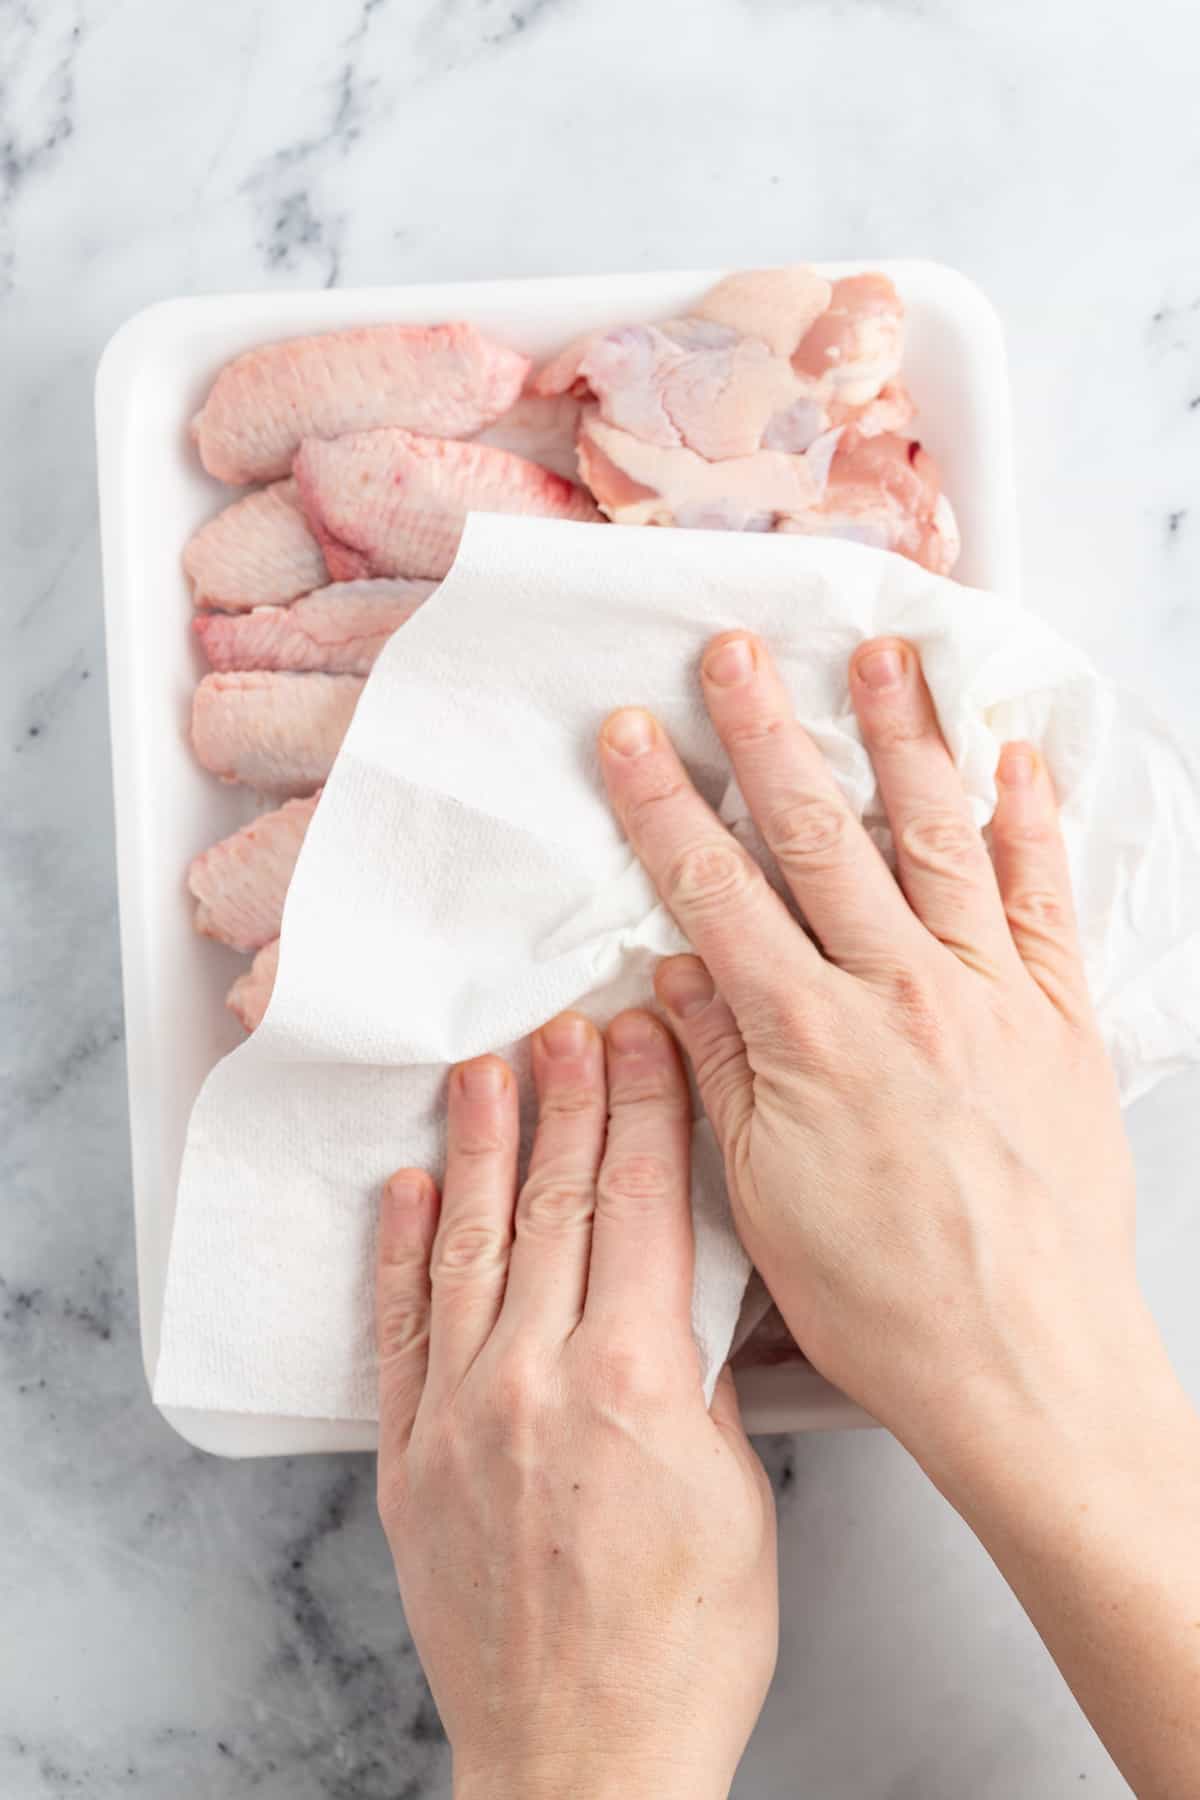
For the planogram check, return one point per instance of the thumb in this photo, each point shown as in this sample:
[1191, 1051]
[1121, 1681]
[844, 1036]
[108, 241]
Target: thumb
[709, 1034]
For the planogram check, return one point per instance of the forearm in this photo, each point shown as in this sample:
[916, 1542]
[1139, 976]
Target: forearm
[1091, 1511]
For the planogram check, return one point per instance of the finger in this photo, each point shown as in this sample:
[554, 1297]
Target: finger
[754, 948]
[407, 1222]
[840, 881]
[548, 1265]
[640, 1275]
[711, 1041]
[941, 860]
[470, 1253]
[1034, 878]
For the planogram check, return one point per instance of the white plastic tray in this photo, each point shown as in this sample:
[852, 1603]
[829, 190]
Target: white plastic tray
[154, 373]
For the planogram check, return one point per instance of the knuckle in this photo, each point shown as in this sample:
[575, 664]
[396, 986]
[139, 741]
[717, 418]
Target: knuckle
[941, 841]
[516, 1394]
[1039, 911]
[402, 1326]
[402, 1262]
[650, 1083]
[636, 1183]
[918, 1009]
[717, 1063]
[569, 1102]
[808, 833]
[801, 1017]
[708, 876]
[658, 787]
[630, 1377]
[552, 1203]
[1033, 830]
[755, 728]
[478, 1145]
[471, 1248]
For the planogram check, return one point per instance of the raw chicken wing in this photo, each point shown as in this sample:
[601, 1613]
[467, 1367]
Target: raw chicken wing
[258, 552]
[339, 629]
[447, 380]
[278, 733]
[250, 994]
[390, 503]
[240, 884]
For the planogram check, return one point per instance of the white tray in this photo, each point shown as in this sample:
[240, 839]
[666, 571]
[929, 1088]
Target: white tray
[153, 375]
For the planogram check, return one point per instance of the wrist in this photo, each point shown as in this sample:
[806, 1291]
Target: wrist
[566, 1775]
[1099, 1413]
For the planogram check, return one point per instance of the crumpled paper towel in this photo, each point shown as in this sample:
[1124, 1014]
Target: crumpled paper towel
[463, 880]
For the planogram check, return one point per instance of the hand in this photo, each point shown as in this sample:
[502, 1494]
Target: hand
[926, 1160]
[586, 1551]
[921, 1131]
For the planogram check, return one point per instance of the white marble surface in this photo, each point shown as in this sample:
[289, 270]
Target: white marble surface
[174, 1625]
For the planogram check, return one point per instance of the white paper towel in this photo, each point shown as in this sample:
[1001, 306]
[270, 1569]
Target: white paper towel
[463, 880]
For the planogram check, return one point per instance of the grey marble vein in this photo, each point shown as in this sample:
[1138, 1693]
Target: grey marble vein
[40, 68]
[295, 228]
[173, 1625]
[457, 31]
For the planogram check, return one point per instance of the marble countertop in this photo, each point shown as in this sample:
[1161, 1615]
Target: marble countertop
[176, 1625]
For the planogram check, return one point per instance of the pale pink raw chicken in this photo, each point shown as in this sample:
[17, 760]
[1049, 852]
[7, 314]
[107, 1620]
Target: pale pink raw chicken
[257, 552]
[276, 732]
[642, 484]
[776, 405]
[339, 629]
[892, 409]
[778, 306]
[391, 503]
[446, 380]
[885, 491]
[855, 347]
[561, 374]
[697, 385]
[882, 490]
[250, 994]
[770, 359]
[241, 883]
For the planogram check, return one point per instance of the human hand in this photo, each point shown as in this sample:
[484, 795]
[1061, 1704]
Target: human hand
[586, 1552]
[921, 1132]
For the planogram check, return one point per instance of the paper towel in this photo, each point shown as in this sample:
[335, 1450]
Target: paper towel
[463, 880]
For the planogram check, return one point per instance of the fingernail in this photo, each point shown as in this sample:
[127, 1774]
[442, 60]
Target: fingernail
[407, 1187]
[634, 1031]
[629, 733]
[1017, 765]
[483, 1080]
[730, 662]
[686, 990]
[565, 1036]
[881, 669]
